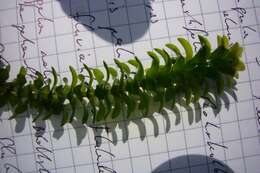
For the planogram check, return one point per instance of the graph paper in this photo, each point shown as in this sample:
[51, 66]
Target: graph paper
[39, 34]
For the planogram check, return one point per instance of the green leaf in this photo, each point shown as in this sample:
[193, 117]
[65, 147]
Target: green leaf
[123, 67]
[107, 71]
[163, 54]
[90, 75]
[205, 44]
[131, 104]
[65, 80]
[219, 40]
[108, 103]
[220, 84]
[98, 75]
[23, 71]
[133, 62]
[21, 80]
[73, 104]
[175, 49]
[225, 41]
[101, 112]
[37, 116]
[117, 108]
[44, 92]
[196, 92]
[65, 118]
[4, 73]
[140, 73]
[48, 115]
[85, 114]
[39, 81]
[188, 93]
[20, 108]
[187, 47]
[152, 72]
[74, 77]
[144, 104]
[55, 76]
[113, 72]
[81, 78]
[160, 95]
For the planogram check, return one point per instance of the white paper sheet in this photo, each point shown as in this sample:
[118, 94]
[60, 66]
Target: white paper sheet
[39, 34]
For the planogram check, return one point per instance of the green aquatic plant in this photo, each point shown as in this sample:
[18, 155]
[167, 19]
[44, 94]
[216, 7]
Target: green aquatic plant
[105, 95]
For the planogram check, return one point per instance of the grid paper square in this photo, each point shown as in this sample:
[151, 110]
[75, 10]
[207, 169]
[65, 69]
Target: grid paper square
[252, 164]
[25, 163]
[63, 158]
[248, 128]
[11, 19]
[171, 6]
[8, 4]
[250, 146]
[82, 155]
[65, 43]
[141, 164]
[137, 14]
[234, 150]
[84, 169]
[122, 166]
[158, 160]
[138, 147]
[63, 26]
[23, 149]
[230, 127]
[237, 165]
[194, 137]
[157, 144]
[176, 140]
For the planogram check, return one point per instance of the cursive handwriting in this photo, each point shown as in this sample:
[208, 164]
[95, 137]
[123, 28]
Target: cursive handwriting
[100, 152]
[114, 33]
[194, 27]
[38, 6]
[257, 112]
[152, 15]
[228, 21]
[193, 31]
[2, 48]
[9, 168]
[246, 30]
[7, 145]
[24, 46]
[77, 32]
[3, 61]
[257, 59]
[88, 23]
[119, 51]
[113, 6]
[42, 153]
[212, 146]
[40, 19]
[241, 12]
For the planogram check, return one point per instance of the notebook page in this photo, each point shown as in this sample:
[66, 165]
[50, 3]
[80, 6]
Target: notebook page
[39, 34]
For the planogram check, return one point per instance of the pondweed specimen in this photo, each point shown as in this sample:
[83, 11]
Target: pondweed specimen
[101, 96]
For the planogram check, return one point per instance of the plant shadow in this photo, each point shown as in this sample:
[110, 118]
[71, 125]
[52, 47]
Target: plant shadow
[117, 22]
[193, 163]
[119, 129]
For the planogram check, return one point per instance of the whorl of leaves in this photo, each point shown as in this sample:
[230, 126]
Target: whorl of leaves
[106, 95]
